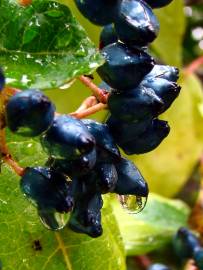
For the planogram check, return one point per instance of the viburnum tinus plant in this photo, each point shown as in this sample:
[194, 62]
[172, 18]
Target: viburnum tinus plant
[71, 168]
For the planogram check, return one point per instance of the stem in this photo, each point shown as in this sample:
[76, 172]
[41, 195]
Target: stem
[25, 2]
[87, 103]
[190, 265]
[100, 94]
[143, 260]
[194, 65]
[96, 108]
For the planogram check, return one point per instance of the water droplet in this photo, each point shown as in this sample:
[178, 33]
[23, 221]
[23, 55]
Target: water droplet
[133, 204]
[53, 220]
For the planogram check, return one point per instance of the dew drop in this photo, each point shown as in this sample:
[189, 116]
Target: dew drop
[53, 220]
[133, 204]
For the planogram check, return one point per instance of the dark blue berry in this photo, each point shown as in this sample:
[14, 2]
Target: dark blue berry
[164, 89]
[76, 167]
[99, 12]
[86, 215]
[124, 67]
[105, 86]
[2, 79]
[158, 3]
[139, 103]
[146, 141]
[29, 113]
[68, 138]
[136, 24]
[158, 266]
[47, 189]
[185, 242]
[107, 36]
[130, 181]
[107, 150]
[169, 73]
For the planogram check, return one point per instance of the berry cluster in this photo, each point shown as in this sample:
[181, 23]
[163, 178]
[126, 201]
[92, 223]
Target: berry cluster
[84, 159]
[188, 246]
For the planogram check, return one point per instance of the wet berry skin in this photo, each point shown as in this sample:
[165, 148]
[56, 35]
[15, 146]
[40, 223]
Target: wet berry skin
[136, 24]
[124, 67]
[169, 73]
[130, 181]
[100, 12]
[47, 189]
[68, 138]
[146, 141]
[29, 113]
[139, 103]
[2, 79]
[158, 3]
[107, 36]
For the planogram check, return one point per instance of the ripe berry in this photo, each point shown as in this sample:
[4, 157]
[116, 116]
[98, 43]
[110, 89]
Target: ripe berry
[2, 79]
[169, 73]
[76, 167]
[146, 141]
[99, 12]
[107, 150]
[124, 67]
[29, 113]
[68, 138]
[164, 89]
[47, 189]
[107, 36]
[130, 181]
[136, 24]
[158, 266]
[158, 3]
[139, 103]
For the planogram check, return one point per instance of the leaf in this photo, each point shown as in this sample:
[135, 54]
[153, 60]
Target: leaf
[168, 45]
[20, 228]
[168, 167]
[42, 45]
[154, 227]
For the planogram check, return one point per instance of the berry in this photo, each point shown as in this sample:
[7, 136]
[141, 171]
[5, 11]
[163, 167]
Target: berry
[108, 36]
[105, 86]
[158, 3]
[68, 138]
[139, 103]
[86, 215]
[99, 12]
[130, 181]
[158, 266]
[107, 149]
[136, 24]
[47, 189]
[185, 242]
[198, 257]
[2, 79]
[124, 67]
[29, 113]
[164, 89]
[169, 73]
[146, 141]
[76, 167]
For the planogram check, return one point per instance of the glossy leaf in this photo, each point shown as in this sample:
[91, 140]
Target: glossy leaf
[154, 227]
[42, 45]
[26, 244]
[168, 167]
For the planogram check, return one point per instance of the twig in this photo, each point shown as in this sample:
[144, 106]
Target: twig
[194, 65]
[143, 260]
[100, 94]
[96, 108]
[87, 103]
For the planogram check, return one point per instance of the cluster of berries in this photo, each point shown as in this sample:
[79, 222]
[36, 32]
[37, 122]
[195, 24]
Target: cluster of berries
[84, 159]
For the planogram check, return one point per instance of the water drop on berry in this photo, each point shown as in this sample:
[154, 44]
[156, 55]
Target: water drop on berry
[133, 204]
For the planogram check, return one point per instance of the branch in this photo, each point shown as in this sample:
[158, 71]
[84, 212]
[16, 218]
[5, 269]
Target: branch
[143, 260]
[100, 94]
[96, 108]
[191, 68]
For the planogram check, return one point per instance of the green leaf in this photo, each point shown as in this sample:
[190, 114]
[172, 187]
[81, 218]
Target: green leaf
[168, 45]
[20, 228]
[168, 167]
[154, 227]
[42, 45]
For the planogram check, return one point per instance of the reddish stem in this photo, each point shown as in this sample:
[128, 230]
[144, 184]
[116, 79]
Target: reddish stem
[100, 94]
[87, 103]
[96, 108]
[190, 265]
[143, 260]
[194, 65]
[25, 2]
